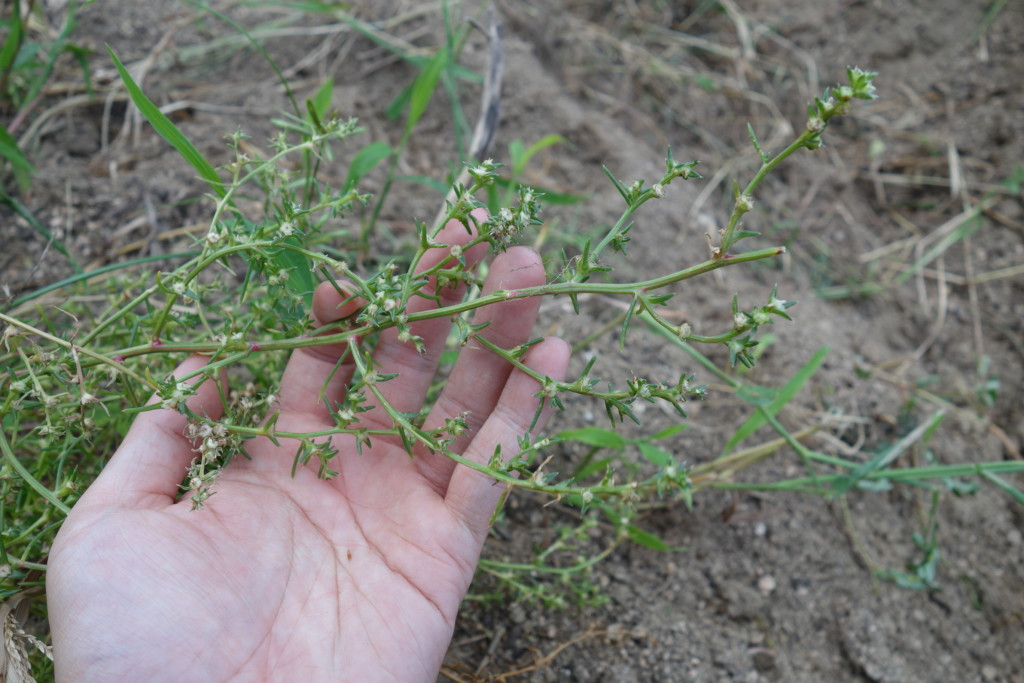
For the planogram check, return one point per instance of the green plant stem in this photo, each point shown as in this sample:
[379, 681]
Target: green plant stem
[503, 569]
[621, 223]
[728, 238]
[563, 288]
[98, 357]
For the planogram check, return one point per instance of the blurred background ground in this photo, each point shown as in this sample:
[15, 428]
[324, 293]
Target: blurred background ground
[905, 254]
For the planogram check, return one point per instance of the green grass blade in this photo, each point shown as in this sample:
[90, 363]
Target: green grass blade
[100, 271]
[594, 436]
[923, 431]
[1006, 486]
[784, 396]
[27, 477]
[321, 101]
[19, 163]
[12, 43]
[365, 160]
[646, 538]
[166, 129]
[424, 86]
[521, 157]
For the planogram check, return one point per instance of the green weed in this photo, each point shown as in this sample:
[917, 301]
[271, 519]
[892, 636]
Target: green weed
[74, 372]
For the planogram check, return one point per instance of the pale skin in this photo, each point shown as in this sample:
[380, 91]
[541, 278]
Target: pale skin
[299, 578]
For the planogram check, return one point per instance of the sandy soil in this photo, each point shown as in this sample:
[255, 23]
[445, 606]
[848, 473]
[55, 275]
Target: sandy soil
[766, 586]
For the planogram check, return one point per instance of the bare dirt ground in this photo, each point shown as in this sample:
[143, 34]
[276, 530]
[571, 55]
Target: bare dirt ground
[767, 586]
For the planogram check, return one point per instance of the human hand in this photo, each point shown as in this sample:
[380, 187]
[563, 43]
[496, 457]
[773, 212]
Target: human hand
[300, 578]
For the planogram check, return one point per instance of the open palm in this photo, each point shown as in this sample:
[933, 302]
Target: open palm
[298, 578]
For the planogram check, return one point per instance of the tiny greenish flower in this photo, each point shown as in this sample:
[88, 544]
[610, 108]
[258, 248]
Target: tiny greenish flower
[761, 317]
[777, 305]
[744, 203]
[178, 396]
[815, 124]
[550, 389]
[658, 190]
[456, 426]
